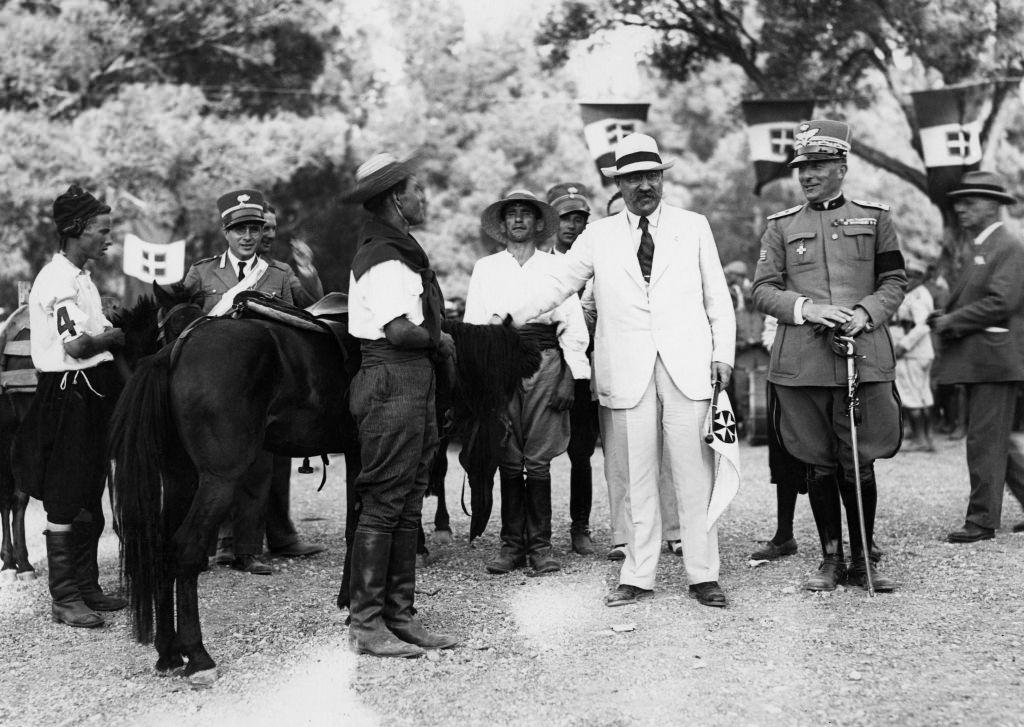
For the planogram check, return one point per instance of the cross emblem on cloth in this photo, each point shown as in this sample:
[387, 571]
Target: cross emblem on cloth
[801, 249]
[958, 143]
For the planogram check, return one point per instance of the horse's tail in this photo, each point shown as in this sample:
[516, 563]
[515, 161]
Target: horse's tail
[140, 434]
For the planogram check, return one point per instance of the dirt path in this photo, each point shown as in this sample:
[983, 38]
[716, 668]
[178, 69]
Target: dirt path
[945, 649]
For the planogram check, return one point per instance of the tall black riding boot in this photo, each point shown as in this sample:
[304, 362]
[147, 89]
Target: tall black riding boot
[68, 606]
[368, 634]
[513, 526]
[399, 614]
[538, 525]
[857, 575]
[87, 538]
[823, 493]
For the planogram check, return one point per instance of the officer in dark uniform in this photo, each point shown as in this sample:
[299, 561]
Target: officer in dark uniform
[832, 267]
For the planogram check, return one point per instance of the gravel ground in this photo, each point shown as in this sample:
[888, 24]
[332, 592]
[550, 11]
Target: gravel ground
[942, 650]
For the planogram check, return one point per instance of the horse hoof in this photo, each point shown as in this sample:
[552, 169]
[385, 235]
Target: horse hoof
[203, 679]
[8, 576]
[28, 575]
[442, 537]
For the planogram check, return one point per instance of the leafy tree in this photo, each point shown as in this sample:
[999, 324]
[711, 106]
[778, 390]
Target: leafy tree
[847, 53]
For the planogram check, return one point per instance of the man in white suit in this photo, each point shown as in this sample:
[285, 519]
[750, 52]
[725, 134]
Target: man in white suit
[665, 331]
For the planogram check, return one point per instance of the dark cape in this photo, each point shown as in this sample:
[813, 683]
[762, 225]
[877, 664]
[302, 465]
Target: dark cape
[381, 242]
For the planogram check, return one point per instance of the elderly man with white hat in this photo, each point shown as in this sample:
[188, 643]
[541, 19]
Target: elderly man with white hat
[538, 413]
[981, 345]
[395, 309]
[665, 332]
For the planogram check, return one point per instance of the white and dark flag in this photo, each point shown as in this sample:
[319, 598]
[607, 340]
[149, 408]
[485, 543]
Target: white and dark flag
[720, 434]
[604, 124]
[949, 122]
[770, 127]
[152, 262]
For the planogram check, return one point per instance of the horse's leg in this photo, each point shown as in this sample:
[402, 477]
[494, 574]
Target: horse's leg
[438, 473]
[353, 465]
[178, 498]
[209, 507]
[8, 567]
[24, 565]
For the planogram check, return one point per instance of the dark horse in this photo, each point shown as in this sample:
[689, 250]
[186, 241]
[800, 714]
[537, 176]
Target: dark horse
[147, 326]
[192, 419]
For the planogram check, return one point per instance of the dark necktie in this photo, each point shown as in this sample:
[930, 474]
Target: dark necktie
[645, 253]
[241, 270]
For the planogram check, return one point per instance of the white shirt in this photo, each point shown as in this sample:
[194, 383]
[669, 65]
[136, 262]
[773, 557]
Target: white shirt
[64, 304]
[499, 284]
[387, 291]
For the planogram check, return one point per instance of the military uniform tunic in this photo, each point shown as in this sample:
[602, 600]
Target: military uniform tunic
[846, 253]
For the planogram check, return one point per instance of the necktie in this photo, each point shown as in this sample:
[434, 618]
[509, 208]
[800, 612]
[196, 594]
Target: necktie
[241, 270]
[645, 253]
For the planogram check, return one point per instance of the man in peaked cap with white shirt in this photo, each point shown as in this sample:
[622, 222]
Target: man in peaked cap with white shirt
[833, 267]
[665, 332]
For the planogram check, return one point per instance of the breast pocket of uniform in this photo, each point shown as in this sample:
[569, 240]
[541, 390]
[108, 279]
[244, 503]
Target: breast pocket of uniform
[860, 240]
[801, 248]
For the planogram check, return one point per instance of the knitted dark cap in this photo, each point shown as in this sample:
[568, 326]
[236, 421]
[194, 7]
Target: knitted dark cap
[73, 209]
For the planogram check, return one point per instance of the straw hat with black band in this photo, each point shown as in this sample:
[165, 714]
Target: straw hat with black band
[636, 153]
[378, 174]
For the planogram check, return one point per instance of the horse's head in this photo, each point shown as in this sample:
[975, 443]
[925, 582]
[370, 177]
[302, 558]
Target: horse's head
[139, 324]
[178, 308]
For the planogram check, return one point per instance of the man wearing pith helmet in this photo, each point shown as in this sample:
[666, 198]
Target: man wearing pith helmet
[395, 309]
[539, 410]
[827, 269]
[981, 345]
[665, 333]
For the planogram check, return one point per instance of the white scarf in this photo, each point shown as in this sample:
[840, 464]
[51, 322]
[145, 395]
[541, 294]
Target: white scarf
[247, 283]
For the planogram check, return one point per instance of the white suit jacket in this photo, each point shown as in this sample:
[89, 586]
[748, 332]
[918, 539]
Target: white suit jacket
[684, 315]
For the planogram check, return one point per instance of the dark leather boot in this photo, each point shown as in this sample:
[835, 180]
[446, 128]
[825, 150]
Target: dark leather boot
[399, 614]
[87, 538]
[858, 576]
[830, 573]
[513, 526]
[68, 606]
[538, 525]
[368, 634]
[869, 497]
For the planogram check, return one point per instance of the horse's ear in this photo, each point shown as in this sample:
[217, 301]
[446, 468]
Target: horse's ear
[164, 298]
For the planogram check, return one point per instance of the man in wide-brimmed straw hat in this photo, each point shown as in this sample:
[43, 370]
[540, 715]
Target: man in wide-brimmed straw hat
[665, 332]
[539, 410]
[832, 267]
[981, 336]
[395, 309]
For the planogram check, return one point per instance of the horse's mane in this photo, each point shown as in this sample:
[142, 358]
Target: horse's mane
[138, 317]
[490, 361]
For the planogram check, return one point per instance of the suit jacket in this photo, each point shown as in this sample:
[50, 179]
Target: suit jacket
[684, 315]
[981, 335]
[846, 255]
[214, 277]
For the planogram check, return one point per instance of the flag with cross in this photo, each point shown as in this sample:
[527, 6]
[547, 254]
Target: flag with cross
[949, 122]
[605, 123]
[770, 128]
[721, 436]
[152, 262]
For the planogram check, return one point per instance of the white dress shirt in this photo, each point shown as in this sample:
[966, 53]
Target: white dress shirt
[499, 284]
[387, 291]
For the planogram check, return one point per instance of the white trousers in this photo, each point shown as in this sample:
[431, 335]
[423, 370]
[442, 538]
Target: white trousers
[616, 475]
[663, 431]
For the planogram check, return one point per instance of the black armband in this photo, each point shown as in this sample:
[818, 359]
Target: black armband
[886, 262]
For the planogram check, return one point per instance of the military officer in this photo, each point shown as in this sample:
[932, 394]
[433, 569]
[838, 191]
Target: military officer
[221, 278]
[832, 267]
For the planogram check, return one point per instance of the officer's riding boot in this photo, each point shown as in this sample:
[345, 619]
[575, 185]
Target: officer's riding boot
[538, 525]
[399, 614]
[513, 526]
[823, 493]
[368, 634]
[859, 565]
[87, 537]
[68, 606]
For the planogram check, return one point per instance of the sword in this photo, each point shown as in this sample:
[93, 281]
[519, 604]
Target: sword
[851, 408]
